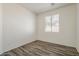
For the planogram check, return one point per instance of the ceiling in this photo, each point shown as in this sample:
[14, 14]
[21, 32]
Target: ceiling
[42, 7]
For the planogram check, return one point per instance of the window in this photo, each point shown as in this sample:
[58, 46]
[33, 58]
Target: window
[52, 23]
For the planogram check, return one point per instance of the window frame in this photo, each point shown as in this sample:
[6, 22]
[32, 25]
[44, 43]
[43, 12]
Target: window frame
[51, 19]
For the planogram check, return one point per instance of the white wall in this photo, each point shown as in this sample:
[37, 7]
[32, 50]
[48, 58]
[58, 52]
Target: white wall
[18, 26]
[78, 27]
[67, 34]
[0, 28]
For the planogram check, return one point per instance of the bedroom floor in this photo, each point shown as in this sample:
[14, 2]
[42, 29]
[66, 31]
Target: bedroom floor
[41, 48]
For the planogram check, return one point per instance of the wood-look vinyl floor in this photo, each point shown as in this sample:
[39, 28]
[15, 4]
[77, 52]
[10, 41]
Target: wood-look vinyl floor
[41, 48]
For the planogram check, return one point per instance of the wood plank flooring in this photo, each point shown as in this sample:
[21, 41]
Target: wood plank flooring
[41, 48]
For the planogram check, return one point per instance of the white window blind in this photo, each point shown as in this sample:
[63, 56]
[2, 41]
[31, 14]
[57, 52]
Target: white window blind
[52, 23]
